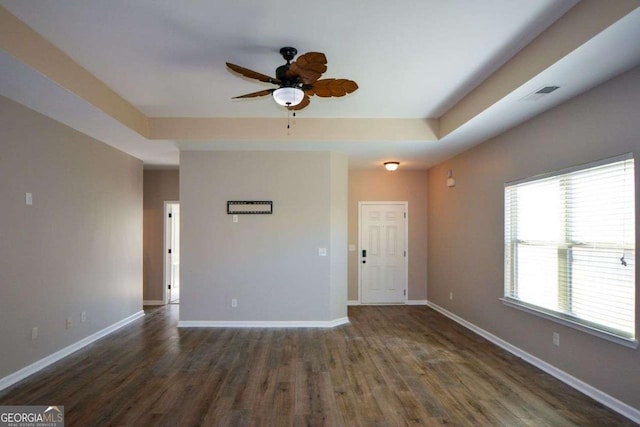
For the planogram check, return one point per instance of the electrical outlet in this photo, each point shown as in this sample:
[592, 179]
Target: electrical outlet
[69, 323]
[234, 302]
[556, 339]
[83, 317]
[451, 296]
[34, 333]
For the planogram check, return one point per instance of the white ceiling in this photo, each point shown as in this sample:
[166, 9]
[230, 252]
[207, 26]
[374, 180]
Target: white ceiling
[411, 59]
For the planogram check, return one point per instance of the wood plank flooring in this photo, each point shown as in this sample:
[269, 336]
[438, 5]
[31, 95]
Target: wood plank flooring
[392, 366]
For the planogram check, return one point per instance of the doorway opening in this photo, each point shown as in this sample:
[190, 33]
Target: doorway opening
[171, 288]
[383, 257]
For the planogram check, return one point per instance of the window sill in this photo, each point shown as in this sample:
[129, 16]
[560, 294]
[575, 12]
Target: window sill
[630, 343]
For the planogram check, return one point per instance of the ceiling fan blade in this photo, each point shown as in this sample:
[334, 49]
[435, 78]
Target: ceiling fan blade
[252, 74]
[255, 94]
[305, 101]
[305, 76]
[308, 67]
[327, 88]
[315, 61]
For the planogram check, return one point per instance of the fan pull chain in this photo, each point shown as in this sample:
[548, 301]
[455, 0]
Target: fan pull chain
[289, 118]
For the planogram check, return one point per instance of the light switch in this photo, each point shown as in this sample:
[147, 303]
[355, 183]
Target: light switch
[235, 218]
[322, 251]
[28, 199]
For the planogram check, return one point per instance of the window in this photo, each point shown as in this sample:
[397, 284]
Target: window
[570, 246]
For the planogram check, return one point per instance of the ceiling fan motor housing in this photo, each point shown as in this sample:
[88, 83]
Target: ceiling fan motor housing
[281, 74]
[288, 53]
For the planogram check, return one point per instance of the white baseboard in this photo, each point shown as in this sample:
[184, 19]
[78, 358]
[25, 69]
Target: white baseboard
[409, 302]
[153, 302]
[609, 401]
[23, 373]
[262, 324]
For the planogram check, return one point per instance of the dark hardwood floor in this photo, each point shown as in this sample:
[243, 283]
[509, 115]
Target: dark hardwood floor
[392, 366]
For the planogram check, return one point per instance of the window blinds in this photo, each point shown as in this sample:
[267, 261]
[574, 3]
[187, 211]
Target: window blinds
[570, 245]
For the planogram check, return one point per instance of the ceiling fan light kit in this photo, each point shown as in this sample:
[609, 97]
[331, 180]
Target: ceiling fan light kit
[288, 96]
[298, 80]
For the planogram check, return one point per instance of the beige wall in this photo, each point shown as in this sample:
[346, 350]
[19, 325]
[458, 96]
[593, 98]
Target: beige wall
[159, 186]
[338, 199]
[269, 263]
[77, 248]
[466, 228]
[380, 185]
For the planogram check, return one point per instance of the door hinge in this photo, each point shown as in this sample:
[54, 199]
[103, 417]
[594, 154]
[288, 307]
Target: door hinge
[169, 250]
[405, 292]
[405, 253]
[168, 286]
[405, 215]
[171, 215]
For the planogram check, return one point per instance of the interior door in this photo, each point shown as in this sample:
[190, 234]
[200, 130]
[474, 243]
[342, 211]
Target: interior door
[173, 253]
[383, 253]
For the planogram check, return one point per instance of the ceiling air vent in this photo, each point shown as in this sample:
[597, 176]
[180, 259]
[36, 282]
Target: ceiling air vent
[534, 96]
[547, 89]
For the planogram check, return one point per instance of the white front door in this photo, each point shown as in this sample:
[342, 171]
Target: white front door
[382, 256]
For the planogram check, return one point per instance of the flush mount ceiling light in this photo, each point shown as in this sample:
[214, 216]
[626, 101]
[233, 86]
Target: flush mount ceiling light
[288, 96]
[391, 166]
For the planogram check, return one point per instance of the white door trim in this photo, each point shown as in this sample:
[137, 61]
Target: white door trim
[165, 237]
[406, 247]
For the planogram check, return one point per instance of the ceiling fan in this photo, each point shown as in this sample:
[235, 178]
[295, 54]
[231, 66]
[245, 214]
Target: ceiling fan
[298, 80]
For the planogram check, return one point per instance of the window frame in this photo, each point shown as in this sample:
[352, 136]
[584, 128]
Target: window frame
[556, 316]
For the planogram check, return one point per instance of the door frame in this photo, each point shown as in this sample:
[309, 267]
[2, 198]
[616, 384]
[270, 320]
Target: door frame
[165, 246]
[406, 246]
